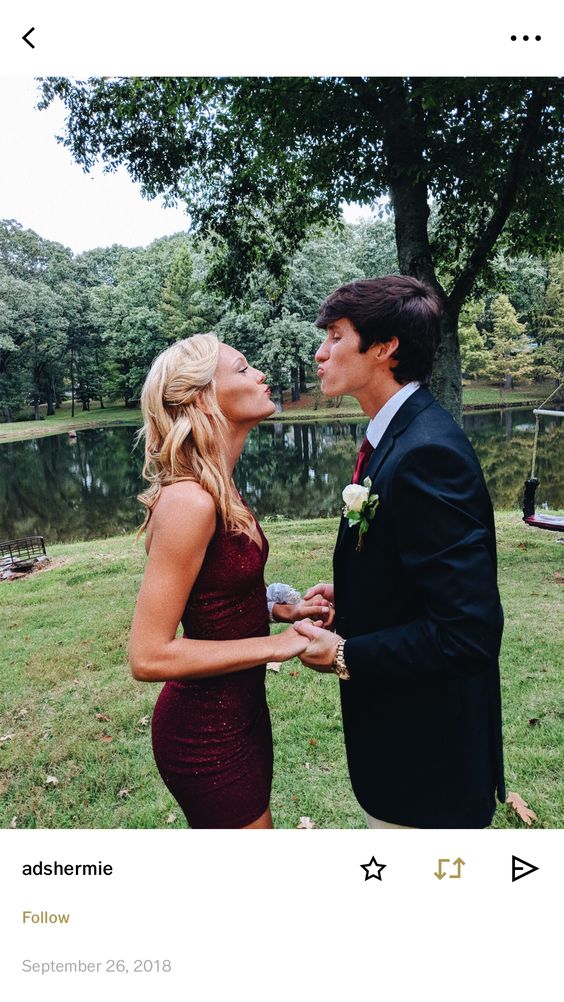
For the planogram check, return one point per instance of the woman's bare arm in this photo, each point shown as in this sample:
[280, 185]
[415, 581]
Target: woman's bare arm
[184, 522]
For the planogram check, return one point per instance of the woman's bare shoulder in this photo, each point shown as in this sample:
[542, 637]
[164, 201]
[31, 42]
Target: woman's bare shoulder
[184, 509]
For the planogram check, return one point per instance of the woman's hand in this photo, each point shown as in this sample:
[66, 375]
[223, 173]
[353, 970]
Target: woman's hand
[288, 644]
[315, 608]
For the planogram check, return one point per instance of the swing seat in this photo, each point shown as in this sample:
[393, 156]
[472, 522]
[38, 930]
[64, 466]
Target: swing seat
[554, 522]
[540, 521]
[537, 519]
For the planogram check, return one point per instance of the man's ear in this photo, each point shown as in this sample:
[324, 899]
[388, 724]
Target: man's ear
[386, 349]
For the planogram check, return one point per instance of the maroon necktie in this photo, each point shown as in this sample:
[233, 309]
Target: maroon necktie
[365, 451]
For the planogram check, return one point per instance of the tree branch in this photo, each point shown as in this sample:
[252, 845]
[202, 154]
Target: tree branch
[505, 202]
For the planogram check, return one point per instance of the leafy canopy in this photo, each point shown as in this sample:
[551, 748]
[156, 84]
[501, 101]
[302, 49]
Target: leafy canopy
[259, 160]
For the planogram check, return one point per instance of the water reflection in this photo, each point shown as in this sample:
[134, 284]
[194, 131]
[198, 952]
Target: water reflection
[86, 489]
[67, 490]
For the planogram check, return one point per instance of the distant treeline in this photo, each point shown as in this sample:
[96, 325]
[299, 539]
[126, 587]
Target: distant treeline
[87, 326]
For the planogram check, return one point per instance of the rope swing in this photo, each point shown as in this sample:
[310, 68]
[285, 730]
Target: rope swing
[540, 521]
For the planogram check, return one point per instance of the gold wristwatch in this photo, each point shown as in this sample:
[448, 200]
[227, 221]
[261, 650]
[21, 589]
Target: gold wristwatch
[339, 665]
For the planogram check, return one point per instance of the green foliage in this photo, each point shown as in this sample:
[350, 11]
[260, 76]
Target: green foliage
[511, 354]
[473, 343]
[189, 307]
[327, 259]
[289, 343]
[89, 326]
[259, 161]
[549, 357]
[36, 297]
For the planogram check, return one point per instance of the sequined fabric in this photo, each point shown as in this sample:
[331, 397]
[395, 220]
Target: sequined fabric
[212, 738]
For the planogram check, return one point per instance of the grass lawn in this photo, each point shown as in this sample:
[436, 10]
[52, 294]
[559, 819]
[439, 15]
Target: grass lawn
[71, 711]
[62, 421]
[474, 395]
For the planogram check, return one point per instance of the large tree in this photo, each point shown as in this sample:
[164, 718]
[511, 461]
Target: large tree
[34, 305]
[258, 160]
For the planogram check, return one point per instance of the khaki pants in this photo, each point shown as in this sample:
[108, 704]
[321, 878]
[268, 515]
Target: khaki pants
[375, 823]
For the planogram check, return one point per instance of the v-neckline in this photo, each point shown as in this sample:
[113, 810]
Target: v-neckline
[259, 544]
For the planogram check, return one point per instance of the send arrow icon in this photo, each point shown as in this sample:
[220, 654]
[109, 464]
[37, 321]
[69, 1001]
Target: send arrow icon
[520, 868]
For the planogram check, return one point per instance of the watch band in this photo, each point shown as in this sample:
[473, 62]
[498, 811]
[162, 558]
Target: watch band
[339, 665]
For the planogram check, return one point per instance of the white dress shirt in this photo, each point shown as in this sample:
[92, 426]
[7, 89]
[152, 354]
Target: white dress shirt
[381, 420]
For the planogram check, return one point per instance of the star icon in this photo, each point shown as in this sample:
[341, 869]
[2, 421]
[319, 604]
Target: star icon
[373, 869]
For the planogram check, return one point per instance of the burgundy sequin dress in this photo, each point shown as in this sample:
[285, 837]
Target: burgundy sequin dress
[212, 738]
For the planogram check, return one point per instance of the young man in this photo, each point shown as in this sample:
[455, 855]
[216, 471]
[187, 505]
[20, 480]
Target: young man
[418, 617]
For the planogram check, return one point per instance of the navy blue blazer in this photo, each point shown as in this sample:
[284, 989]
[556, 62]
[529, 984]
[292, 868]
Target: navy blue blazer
[420, 608]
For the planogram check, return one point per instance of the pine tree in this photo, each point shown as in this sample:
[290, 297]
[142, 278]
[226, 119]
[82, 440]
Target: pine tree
[511, 353]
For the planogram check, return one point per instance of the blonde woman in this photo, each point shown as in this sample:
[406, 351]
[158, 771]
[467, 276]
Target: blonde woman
[211, 729]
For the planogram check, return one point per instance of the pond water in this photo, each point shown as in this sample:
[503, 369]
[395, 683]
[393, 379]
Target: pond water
[87, 489]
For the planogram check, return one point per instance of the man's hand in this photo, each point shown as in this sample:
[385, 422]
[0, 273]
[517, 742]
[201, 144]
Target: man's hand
[322, 647]
[324, 589]
[317, 609]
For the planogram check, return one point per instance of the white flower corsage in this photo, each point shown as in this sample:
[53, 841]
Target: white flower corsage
[283, 594]
[360, 507]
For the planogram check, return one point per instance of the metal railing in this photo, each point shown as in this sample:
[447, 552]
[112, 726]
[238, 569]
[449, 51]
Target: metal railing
[15, 551]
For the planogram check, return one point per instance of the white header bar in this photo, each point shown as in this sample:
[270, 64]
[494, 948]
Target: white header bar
[314, 37]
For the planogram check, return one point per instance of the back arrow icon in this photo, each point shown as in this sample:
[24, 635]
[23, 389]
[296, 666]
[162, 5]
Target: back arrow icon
[520, 868]
[26, 39]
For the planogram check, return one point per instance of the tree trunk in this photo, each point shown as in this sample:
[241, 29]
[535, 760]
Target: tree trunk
[295, 384]
[446, 383]
[36, 411]
[403, 147]
[7, 413]
[72, 382]
[508, 382]
[303, 383]
[97, 357]
[50, 400]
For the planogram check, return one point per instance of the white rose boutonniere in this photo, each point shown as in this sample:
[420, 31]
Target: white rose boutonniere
[360, 507]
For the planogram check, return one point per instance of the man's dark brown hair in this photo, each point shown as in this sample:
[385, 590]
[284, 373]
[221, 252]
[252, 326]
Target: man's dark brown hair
[381, 308]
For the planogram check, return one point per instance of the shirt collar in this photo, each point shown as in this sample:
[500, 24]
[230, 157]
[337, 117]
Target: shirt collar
[382, 419]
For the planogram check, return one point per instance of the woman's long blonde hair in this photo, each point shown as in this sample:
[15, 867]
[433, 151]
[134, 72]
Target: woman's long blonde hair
[185, 430]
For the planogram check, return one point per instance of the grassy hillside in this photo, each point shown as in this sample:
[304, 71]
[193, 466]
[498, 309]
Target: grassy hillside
[74, 727]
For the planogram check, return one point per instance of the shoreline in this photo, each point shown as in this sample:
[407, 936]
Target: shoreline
[16, 432]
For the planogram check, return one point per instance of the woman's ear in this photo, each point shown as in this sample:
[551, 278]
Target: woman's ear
[201, 401]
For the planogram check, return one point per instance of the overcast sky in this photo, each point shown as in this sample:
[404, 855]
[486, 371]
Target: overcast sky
[42, 187]
[44, 190]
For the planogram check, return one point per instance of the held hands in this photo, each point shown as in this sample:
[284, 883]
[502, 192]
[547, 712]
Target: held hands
[322, 646]
[288, 644]
[315, 608]
[317, 604]
[310, 638]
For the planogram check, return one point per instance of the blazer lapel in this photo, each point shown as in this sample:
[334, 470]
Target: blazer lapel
[413, 406]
